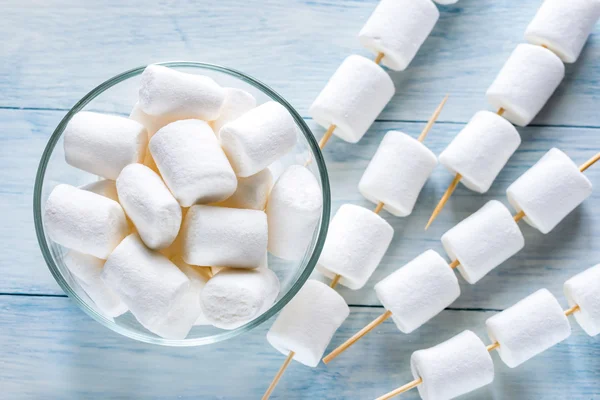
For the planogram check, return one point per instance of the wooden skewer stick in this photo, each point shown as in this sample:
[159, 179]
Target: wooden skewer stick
[449, 191]
[401, 389]
[344, 346]
[432, 120]
[275, 380]
[378, 208]
[589, 162]
[335, 281]
[493, 346]
[379, 58]
[326, 136]
[572, 310]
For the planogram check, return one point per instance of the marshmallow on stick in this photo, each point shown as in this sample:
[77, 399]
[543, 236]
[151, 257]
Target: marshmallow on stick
[477, 245]
[528, 328]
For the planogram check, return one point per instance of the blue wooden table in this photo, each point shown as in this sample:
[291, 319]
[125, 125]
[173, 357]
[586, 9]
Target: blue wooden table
[55, 51]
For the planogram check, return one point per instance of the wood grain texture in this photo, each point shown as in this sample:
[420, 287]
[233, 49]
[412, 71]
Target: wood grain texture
[52, 350]
[56, 51]
[61, 49]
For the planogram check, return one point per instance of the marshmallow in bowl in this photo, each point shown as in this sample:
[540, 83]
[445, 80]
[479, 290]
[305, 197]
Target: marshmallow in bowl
[191, 163]
[175, 94]
[293, 212]
[236, 296]
[258, 138]
[88, 270]
[84, 221]
[237, 102]
[224, 237]
[147, 282]
[252, 192]
[103, 187]
[152, 123]
[150, 205]
[186, 312]
[103, 144]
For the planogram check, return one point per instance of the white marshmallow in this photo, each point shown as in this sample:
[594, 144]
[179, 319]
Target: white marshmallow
[483, 240]
[87, 270]
[224, 237]
[528, 328]
[103, 144]
[103, 187]
[584, 290]
[174, 94]
[235, 297]
[549, 191]
[354, 96]
[258, 138]
[84, 221]
[398, 28]
[192, 164]
[564, 26]
[293, 212]
[418, 291]
[481, 150]
[525, 83]
[152, 208]
[356, 242]
[147, 282]
[252, 192]
[152, 123]
[452, 368]
[186, 311]
[237, 102]
[397, 173]
[307, 323]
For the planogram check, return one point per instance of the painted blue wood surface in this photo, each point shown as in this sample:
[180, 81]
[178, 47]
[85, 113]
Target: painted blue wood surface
[55, 51]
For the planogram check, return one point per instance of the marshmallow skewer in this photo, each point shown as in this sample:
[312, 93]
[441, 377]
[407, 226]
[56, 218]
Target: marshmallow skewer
[454, 264]
[457, 178]
[421, 139]
[491, 347]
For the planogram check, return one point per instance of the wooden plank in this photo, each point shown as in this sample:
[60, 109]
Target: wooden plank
[546, 261]
[59, 50]
[52, 350]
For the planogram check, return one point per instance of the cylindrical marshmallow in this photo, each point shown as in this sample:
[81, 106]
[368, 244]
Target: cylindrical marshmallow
[584, 290]
[564, 26]
[397, 173]
[104, 144]
[418, 291]
[483, 240]
[150, 205]
[252, 192]
[354, 96]
[224, 237]
[152, 123]
[452, 368]
[398, 28]
[356, 242]
[307, 323]
[549, 190]
[84, 221]
[103, 187]
[237, 102]
[235, 297]
[147, 282]
[258, 138]
[87, 270]
[174, 94]
[525, 83]
[528, 328]
[481, 149]
[293, 212]
[186, 311]
[192, 163]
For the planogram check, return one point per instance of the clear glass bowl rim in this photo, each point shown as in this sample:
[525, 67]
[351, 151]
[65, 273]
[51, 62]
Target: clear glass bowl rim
[308, 268]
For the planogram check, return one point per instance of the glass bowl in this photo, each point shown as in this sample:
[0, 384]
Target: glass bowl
[118, 96]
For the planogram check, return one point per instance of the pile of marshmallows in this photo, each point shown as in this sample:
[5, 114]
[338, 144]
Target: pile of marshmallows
[183, 195]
